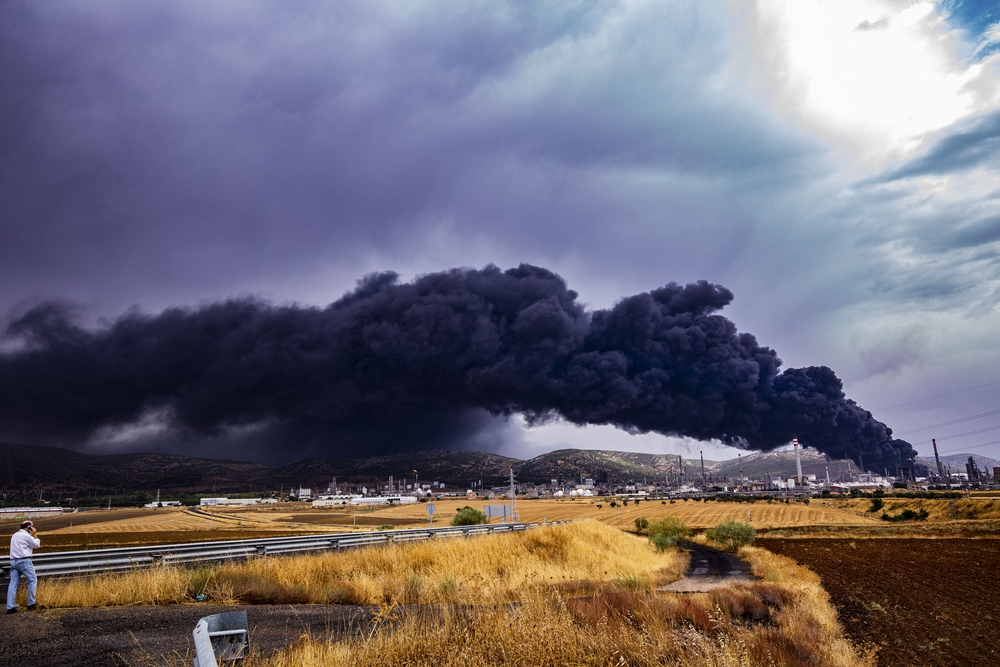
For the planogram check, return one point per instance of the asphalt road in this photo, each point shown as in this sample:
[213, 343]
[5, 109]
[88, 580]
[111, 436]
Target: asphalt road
[709, 568]
[134, 636]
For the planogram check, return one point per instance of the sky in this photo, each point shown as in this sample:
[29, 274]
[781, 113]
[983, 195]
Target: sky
[834, 164]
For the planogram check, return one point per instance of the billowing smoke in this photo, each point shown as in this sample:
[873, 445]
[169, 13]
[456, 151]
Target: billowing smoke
[395, 366]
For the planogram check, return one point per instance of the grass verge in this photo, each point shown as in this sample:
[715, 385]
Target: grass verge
[785, 620]
[580, 558]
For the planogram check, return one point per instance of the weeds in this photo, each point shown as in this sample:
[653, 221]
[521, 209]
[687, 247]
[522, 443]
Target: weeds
[732, 535]
[583, 557]
[785, 624]
[667, 532]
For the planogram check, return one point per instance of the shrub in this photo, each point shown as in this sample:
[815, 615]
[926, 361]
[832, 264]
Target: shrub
[667, 532]
[876, 505]
[641, 523]
[468, 516]
[732, 534]
[906, 515]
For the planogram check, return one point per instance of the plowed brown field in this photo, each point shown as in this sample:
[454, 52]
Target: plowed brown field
[923, 602]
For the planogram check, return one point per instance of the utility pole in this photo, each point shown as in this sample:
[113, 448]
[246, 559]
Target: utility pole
[513, 497]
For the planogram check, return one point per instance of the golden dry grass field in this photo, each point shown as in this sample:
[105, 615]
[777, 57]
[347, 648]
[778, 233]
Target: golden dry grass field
[694, 513]
[581, 593]
[784, 620]
[577, 558]
[938, 509]
[98, 529]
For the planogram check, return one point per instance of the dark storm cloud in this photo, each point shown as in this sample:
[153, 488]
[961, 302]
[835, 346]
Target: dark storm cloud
[407, 365]
[172, 148]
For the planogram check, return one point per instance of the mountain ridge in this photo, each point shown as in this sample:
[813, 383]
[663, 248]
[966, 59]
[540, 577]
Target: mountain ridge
[30, 469]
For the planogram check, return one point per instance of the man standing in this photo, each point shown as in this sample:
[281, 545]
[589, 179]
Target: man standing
[21, 545]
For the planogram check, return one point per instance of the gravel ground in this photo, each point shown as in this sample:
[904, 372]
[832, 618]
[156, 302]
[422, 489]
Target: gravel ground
[155, 635]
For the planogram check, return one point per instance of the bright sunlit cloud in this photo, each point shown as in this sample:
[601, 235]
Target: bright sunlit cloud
[876, 75]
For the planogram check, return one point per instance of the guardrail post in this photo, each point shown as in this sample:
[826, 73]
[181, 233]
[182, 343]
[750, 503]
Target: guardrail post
[224, 636]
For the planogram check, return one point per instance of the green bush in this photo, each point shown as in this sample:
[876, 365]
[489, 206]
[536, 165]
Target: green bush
[468, 516]
[667, 532]
[876, 505]
[641, 523]
[906, 515]
[732, 534]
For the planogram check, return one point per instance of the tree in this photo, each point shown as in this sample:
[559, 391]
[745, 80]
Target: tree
[732, 534]
[641, 523]
[667, 532]
[468, 516]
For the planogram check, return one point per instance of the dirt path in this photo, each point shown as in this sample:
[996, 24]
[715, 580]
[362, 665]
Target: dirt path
[117, 636]
[709, 568]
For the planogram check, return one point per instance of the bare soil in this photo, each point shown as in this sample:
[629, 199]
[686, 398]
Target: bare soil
[922, 602]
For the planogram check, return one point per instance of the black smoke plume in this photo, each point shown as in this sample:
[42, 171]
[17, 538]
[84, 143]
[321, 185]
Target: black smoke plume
[398, 366]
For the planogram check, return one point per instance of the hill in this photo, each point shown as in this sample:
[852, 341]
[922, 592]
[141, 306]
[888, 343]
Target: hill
[26, 470]
[454, 468]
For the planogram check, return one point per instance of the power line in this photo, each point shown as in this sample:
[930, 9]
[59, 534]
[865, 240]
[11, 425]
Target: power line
[959, 451]
[953, 421]
[957, 391]
[960, 435]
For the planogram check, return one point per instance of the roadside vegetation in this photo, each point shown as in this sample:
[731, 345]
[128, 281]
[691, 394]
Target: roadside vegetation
[581, 558]
[581, 593]
[784, 620]
[732, 535]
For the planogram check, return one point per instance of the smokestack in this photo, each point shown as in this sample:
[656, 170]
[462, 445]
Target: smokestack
[702, 470]
[828, 475]
[680, 463]
[937, 459]
[740, 457]
[798, 462]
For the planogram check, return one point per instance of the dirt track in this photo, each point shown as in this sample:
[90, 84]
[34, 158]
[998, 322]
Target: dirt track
[709, 568]
[155, 635]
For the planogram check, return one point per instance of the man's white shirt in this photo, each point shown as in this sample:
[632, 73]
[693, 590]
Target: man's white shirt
[21, 544]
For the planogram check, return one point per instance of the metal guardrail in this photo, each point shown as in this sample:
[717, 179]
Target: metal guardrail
[72, 563]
